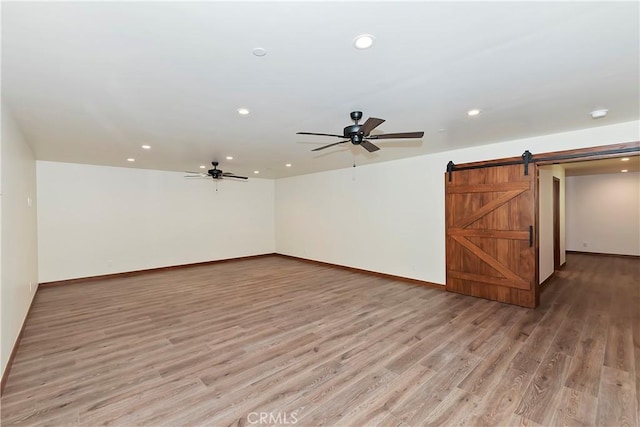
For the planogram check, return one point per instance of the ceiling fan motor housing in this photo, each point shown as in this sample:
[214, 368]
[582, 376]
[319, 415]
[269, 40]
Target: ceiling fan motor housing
[215, 172]
[353, 132]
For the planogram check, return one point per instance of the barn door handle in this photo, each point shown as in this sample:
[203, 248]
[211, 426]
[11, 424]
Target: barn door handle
[530, 235]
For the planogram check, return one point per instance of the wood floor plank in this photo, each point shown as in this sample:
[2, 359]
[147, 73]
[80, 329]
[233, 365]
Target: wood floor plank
[130, 406]
[539, 400]
[350, 401]
[520, 421]
[584, 372]
[484, 341]
[617, 399]
[568, 335]
[619, 351]
[575, 408]
[400, 389]
[491, 368]
[537, 344]
[501, 402]
[421, 405]
[211, 345]
[455, 409]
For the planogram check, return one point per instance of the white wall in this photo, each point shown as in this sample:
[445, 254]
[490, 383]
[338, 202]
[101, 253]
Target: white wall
[603, 213]
[95, 220]
[545, 219]
[19, 266]
[390, 219]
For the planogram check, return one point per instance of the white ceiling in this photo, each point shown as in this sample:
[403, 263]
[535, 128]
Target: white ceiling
[604, 166]
[90, 82]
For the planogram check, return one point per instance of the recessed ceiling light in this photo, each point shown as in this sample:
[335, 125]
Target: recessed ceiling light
[256, 171]
[130, 159]
[259, 51]
[625, 159]
[146, 147]
[229, 157]
[598, 114]
[203, 167]
[473, 112]
[243, 111]
[624, 170]
[288, 165]
[363, 41]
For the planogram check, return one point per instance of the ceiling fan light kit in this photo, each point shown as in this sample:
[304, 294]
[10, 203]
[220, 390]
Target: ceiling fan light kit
[359, 134]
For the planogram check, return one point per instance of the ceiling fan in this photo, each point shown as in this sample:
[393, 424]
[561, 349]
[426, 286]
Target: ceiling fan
[360, 134]
[214, 173]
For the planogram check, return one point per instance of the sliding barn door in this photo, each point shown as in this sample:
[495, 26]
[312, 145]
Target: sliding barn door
[491, 235]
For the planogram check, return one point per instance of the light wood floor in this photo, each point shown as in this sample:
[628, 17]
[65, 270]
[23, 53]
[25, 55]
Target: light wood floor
[220, 345]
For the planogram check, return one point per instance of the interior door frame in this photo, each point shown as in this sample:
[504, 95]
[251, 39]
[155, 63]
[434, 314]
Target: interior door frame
[556, 224]
[531, 161]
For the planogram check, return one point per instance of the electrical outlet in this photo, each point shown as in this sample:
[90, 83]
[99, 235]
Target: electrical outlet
[30, 286]
[584, 245]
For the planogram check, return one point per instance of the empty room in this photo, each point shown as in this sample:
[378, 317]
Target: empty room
[320, 213]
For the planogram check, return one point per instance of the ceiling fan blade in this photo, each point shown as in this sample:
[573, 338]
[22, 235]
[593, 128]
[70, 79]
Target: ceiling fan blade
[321, 134]
[330, 145]
[232, 175]
[195, 173]
[196, 176]
[398, 135]
[369, 146]
[370, 125]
